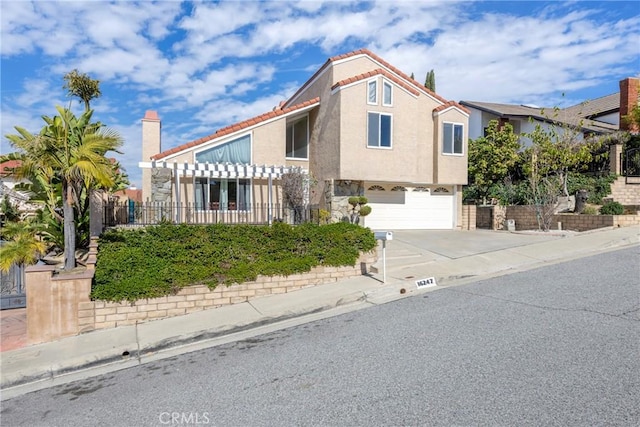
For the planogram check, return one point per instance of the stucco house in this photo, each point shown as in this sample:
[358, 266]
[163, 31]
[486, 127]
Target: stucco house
[598, 116]
[358, 126]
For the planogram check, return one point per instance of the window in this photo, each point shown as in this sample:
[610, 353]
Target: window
[452, 138]
[298, 139]
[379, 130]
[235, 151]
[222, 194]
[386, 94]
[372, 92]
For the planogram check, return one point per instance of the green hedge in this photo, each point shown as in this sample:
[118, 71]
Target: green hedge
[160, 260]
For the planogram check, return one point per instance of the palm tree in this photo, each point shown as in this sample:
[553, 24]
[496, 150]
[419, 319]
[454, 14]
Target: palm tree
[21, 247]
[69, 151]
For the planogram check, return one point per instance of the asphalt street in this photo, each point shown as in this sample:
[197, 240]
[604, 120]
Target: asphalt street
[558, 345]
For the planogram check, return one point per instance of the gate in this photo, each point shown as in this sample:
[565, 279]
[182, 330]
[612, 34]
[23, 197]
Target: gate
[12, 287]
[630, 161]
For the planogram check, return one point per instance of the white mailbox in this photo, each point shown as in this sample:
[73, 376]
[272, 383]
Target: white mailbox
[383, 235]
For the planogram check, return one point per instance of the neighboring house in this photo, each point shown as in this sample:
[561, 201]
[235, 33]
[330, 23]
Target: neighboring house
[358, 126]
[20, 199]
[598, 116]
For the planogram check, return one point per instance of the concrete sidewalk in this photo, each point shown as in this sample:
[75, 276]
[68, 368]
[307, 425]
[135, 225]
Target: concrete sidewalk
[451, 257]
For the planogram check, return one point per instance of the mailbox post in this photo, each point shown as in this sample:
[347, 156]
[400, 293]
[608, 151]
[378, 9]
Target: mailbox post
[384, 236]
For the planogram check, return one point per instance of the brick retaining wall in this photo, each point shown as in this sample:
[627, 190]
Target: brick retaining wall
[100, 315]
[525, 219]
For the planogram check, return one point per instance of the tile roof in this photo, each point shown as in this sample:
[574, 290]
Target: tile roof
[596, 107]
[237, 127]
[505, 109]
[570, 116]
[449, 104]
[376, 72]
[376, 58]
[6, 167]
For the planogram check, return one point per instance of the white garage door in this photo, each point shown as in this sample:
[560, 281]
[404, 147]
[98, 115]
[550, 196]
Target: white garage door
[407, 208]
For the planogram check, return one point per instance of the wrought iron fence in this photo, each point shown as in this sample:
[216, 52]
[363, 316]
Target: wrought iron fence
[130, 214]
[630, 162]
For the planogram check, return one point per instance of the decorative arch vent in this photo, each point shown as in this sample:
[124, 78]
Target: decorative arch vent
[421, 189]
[398, 188]
[376, 188]
[440, 190]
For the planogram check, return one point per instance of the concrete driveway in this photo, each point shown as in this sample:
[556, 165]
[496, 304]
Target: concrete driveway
[410, 247]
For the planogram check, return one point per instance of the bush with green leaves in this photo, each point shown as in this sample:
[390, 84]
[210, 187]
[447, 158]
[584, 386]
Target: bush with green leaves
[597, 187]
[160, 260]
[612, 208]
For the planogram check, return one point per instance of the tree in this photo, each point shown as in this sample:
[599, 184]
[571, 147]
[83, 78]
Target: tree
[81, 85]
[430, 81]
[22, 246]
[555, 152]
[69, 151]
[491, 157]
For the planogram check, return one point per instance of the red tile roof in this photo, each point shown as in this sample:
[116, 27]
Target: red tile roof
[451, 104]
[375, 57]
[236, 127]
[379, 71]
[5, 167]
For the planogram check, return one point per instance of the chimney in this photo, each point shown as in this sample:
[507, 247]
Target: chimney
[151, 145]
[628, 101]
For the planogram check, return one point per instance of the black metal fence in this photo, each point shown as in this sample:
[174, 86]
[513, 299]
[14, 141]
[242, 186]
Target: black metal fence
[130, 214]
[630, 163]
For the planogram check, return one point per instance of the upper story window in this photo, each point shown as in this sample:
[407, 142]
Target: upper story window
[372, 92]
[452, 138]
[379, 130]
[387, 97]
[234, 151]
[298, 139]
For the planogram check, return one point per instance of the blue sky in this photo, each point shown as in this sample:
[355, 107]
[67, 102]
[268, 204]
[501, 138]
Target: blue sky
[204, 65]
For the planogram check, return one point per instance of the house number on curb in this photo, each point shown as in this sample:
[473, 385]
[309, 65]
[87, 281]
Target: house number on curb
[426, 283]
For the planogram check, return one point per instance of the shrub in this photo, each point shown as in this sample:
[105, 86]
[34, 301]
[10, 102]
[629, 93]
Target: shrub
[612, 208]
[597, 187]
[160, 260]
[589, 210]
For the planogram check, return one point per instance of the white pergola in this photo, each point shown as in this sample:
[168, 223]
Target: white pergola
[222, 170]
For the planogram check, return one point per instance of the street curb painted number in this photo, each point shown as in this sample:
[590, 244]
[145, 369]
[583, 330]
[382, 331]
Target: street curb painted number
[426, 283]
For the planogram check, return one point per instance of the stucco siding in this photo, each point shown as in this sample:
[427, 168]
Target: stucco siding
[451, 168]
[409, 157]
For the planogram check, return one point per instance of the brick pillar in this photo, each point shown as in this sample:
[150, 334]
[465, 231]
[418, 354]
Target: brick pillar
[151, 145]
[614, 159]
[628, 101]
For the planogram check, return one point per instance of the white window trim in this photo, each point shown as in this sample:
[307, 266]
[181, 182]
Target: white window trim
[452, 146]
[374, 81]
[308, 138]
[379, 147]
[387, 83]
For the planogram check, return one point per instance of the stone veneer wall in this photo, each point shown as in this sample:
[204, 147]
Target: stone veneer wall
[100, 315]
[337, 193]
[161, 185]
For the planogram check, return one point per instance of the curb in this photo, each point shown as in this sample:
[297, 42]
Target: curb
[155, 350]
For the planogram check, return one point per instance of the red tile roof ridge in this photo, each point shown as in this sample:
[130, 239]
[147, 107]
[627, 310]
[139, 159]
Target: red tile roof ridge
[376, 72]
[236, 127]
[375, 57]
[451, 104]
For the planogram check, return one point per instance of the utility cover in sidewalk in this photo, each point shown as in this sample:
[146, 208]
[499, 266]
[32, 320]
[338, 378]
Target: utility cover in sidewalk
[429, 282]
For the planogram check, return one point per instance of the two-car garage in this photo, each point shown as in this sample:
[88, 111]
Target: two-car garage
[410, 208]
